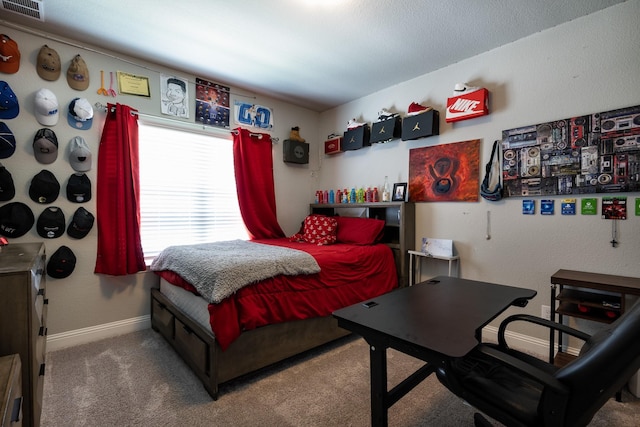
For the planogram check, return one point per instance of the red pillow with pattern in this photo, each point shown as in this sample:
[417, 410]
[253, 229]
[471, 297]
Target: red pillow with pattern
[319, 230]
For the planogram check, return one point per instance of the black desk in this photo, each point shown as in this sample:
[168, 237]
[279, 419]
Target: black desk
[432, 321]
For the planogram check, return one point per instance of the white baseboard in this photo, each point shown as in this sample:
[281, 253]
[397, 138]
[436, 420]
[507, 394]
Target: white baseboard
[98, 332]
[536, 346]
[62, 340]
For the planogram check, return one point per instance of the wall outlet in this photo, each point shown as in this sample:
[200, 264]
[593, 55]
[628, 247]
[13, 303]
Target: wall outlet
[545, 312]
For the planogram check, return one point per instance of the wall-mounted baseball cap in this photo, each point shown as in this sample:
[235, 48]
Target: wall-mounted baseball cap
[62, 263]
[44, 187]
[7, 142]
[46, 107]
[45, 146]
[79, 156]
[7, 187]
[9, 107]
[51, 223]
[48, 64]
[78, 74]
[79, 188]
[80, 114]
[9, 55]
[16, 219]
[81, 223]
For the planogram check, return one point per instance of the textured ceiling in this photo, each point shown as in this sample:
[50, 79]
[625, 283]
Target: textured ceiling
[316, 54]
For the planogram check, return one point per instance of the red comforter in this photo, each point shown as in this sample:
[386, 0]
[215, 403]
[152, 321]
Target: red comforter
[349, 274]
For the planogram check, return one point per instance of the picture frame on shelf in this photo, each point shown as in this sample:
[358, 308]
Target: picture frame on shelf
[399, 192]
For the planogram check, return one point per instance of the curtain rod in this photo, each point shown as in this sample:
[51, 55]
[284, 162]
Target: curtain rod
[101, 107]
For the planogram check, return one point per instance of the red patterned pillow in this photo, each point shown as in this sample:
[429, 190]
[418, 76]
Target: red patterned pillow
[319, 230]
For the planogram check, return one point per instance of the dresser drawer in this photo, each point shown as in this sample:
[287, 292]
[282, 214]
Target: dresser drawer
[196, 349]
[10, 391]
[162, 318]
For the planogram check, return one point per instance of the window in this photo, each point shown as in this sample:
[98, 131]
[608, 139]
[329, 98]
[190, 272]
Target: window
[187, 187]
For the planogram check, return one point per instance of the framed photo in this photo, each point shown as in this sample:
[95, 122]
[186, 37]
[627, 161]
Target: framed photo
[399, 192]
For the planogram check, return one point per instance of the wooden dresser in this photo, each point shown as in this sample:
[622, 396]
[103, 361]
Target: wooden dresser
[23, 315]
[10, 391]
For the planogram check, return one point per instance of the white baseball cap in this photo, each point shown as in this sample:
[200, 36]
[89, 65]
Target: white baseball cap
[46, 107]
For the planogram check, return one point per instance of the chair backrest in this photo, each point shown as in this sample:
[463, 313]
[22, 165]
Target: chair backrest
[606, 362]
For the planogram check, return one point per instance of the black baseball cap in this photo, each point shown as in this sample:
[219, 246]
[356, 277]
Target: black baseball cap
[16, 219]
[62, 263]
[51, 223]
[81, 223]
[79, 188]
[44, 187]
[7, 142]
[7, 188]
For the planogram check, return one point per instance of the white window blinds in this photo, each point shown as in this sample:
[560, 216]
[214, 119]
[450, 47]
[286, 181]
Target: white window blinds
[188, 190]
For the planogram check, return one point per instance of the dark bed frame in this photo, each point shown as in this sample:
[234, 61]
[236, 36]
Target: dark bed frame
[267, 345]
[253, 350]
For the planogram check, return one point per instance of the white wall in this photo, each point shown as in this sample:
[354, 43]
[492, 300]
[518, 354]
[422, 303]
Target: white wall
[84, 299]
[585, 66]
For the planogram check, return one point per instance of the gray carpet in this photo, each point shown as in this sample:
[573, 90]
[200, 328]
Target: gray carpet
[138, 380]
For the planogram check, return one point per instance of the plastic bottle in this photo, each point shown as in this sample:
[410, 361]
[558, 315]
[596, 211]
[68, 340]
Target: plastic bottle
[345, 196]
[317, 196]
[368, 195]
[325, 197]
[360, 195]
[386, 193]
[376, 195]
[352, 196]
[332, 196]
[339, 196]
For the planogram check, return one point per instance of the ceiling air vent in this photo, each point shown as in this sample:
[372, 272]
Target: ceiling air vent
[33, 9]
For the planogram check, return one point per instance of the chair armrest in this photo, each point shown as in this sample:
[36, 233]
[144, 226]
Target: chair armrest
[546, 379]
[539, 321]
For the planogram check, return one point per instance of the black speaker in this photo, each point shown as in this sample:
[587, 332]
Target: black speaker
[295, 152]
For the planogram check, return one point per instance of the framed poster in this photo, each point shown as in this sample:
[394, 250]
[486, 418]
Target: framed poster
[447, 172]
[174, 96]
[212, 103]
[595, 153]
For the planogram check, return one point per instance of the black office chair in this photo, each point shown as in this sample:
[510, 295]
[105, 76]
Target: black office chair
[517, 389]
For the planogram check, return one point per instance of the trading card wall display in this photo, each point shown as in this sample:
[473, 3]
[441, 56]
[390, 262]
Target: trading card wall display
[596, 153]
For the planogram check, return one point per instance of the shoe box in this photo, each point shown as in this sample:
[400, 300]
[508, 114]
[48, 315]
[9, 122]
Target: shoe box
[333, 145]
[386, 130]
[421, 125]
[356, 138]
[295, 151]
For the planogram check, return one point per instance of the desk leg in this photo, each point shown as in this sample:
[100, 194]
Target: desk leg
[379, 407]
[411, 271]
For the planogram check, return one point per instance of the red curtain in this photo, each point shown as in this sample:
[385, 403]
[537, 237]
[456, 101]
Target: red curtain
[118, 195]
[254, 181]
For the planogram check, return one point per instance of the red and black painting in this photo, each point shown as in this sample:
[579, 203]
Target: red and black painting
[444, 173]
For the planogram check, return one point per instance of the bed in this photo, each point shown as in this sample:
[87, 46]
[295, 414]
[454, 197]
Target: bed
[267, 321]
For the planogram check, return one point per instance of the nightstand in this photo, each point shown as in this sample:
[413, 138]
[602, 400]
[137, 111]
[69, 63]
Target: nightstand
[414, 260]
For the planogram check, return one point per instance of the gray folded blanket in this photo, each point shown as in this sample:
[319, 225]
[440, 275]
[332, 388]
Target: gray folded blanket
[217, 270]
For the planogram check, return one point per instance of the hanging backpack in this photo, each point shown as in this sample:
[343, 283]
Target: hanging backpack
[494, 194]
